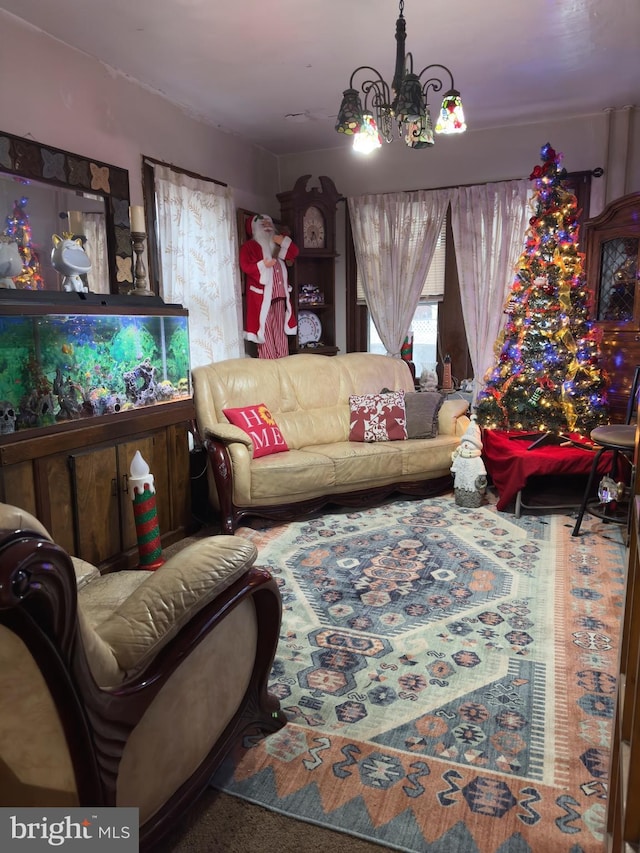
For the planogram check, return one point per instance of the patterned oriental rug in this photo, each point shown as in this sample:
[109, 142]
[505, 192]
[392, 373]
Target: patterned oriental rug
[448, 675]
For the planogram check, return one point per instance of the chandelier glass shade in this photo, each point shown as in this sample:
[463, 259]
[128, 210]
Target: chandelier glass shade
[372, 111]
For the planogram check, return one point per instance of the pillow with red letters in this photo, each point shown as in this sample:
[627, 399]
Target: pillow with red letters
[377, 417]
[258, 423]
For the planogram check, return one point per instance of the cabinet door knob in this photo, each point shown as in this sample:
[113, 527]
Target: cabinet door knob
[125, 483]
[114, 487]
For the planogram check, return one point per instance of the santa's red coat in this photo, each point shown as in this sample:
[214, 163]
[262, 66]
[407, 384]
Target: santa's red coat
[259, 287]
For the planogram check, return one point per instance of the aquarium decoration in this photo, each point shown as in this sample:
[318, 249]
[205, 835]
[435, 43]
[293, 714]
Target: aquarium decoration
[63, 367]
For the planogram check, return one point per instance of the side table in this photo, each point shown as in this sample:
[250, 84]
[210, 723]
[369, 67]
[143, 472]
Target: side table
[512, 466]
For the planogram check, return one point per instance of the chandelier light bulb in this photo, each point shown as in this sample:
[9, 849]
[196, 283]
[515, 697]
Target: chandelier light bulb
[404, 103]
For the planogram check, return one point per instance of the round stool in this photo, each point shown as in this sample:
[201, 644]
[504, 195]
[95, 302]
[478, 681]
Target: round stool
[621, 440]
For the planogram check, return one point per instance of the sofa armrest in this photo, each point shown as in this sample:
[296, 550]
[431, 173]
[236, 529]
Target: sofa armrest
[227, 434]
[155, 612]
[453, 417]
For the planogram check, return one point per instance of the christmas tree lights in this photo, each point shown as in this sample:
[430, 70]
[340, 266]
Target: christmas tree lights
[547, 376]
[18, 227]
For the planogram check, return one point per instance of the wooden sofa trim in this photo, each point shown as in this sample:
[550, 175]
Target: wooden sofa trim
[231, 515]
[38, 602]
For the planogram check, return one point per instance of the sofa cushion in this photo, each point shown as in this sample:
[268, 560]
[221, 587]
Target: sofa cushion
[377, 417]
[259, 424]
[422, 409]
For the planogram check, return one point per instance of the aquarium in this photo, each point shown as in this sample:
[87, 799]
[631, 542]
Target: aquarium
[57, 367]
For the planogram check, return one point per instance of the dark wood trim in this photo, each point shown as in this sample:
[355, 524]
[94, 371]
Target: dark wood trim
[22, 446]
[231, 514]
[357, 316]
[452, 337]
[181, 171]
[26, 159]
[38, 602]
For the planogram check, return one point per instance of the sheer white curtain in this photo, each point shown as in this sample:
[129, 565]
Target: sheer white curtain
[95, 230]
[198, 249]
[489, 223]
[394, 236]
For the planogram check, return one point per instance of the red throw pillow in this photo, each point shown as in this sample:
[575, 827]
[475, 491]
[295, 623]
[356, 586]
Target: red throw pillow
[258, 423]
[377, 417]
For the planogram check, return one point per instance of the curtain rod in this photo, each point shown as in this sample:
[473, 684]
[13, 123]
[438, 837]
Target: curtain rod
[152, 161]
[598, 172]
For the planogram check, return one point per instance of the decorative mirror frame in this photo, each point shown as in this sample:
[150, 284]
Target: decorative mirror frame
[32, 160]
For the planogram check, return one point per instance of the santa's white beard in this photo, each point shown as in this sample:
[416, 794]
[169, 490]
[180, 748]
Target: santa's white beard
[267, 243]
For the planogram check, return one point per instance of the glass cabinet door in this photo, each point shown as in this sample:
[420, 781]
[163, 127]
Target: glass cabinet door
[612, 246]
[618, 279]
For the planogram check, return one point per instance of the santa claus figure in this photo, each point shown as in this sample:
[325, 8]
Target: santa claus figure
[269, 315]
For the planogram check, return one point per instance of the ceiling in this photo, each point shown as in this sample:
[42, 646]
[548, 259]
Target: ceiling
[273, 71]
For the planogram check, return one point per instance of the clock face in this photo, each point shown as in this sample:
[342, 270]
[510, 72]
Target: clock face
[313, 228]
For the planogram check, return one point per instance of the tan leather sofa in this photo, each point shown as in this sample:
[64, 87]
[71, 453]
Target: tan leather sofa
[128, 689]
[308, 396]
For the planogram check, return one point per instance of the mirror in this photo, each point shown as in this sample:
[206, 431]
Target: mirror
[46, 191]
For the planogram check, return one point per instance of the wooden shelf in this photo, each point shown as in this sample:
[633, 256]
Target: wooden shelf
[316, 263]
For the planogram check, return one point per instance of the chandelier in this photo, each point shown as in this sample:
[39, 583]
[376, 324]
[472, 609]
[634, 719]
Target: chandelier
[370, 121]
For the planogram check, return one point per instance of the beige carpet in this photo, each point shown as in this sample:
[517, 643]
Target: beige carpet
[219, 823]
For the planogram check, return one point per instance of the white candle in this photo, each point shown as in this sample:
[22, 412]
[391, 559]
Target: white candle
[136, 215]
[76, 222]
[140, 478]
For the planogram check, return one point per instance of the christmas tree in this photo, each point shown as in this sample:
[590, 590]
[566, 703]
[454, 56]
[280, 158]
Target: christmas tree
[19, 228]
[547, 375]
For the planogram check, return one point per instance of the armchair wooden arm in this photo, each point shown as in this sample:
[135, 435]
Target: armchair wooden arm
[152, 737]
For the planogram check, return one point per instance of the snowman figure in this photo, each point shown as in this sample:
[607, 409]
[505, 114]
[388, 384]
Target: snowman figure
[469, 472]
[69, 258]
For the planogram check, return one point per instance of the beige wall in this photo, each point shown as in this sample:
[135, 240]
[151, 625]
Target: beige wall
[608, 139]
[60, 97]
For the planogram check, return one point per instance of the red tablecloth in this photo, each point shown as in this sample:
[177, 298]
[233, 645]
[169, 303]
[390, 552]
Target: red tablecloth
[510, 464]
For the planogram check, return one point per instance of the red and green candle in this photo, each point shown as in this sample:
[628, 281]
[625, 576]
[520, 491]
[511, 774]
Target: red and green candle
[143, 495]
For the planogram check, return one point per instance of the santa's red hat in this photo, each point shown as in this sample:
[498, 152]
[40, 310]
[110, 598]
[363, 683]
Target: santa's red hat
[248, 224]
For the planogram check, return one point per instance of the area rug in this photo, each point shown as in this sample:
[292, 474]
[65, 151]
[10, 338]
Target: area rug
[448, 675]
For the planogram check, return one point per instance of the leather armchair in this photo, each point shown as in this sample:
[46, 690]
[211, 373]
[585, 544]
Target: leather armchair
[128, 689]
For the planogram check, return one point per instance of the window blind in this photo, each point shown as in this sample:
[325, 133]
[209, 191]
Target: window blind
[433, 287]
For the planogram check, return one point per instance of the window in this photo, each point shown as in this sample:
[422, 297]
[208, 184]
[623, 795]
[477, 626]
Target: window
[425, 319]
[425, 336]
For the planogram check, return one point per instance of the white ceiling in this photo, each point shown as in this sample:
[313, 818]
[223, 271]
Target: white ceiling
[244, 66]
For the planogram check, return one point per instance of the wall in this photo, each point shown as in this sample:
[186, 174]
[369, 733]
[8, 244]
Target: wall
[60, 97]
[607, 139]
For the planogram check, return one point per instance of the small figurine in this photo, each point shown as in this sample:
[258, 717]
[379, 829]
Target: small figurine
[429, 378]
[69, 258]
[10, 262]
[469, 472]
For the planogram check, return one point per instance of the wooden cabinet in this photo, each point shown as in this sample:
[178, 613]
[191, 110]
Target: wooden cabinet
[75, 480]
[310, 215]
[612, 246]
[623, 808]
[89, 381]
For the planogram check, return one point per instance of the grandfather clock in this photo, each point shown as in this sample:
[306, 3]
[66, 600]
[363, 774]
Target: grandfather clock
[310, 214]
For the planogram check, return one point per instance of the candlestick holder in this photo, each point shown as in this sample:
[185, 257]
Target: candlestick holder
[141, 285]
